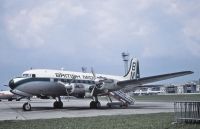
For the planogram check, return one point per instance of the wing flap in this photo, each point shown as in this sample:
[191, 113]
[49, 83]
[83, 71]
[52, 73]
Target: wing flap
[145, 80]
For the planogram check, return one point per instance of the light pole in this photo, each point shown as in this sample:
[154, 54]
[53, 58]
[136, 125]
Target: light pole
[125, 57]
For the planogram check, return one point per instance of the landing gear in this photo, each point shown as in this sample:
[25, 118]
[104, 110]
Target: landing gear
[95, 104]
[58, 104]
[27, 106]
[10, 99]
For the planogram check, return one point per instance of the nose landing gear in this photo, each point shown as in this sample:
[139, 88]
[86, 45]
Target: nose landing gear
[27, 105]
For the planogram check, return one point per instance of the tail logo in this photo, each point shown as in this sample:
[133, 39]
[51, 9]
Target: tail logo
[133, 71]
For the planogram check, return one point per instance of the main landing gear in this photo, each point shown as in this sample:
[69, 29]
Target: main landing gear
[95, 104]
[58, 104]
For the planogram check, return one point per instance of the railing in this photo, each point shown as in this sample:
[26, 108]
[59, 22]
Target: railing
[188, 111]
[120, 95]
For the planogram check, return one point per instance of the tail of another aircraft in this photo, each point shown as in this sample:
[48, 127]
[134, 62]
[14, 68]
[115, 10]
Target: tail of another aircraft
[134, 71]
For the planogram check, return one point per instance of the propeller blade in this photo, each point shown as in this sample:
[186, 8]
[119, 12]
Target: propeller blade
[6, 85]
[93, 73]
[73, 79]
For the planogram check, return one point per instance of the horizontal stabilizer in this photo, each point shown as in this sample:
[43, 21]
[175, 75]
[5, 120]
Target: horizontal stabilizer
[145, 80]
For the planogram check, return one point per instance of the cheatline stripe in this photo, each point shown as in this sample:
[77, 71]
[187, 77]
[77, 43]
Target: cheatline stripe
[27, 80]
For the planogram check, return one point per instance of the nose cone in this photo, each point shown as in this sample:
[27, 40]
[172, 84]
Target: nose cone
[11, 84]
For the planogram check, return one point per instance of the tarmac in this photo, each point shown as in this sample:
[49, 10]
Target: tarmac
[43, 109]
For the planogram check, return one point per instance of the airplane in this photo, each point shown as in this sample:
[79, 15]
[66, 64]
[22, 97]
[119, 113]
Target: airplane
[147, 91]
[56, 83]
[8, 95]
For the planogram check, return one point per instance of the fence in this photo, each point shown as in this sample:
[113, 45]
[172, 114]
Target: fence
[188, 111]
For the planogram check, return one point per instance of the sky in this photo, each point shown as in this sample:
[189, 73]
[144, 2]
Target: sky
[69, 34]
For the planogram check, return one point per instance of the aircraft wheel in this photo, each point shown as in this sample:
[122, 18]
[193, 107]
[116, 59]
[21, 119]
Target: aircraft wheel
[92, 104]
[27, 107]
[0, 100]
[60, 104]
[109, 106]
[55, 104]
[98, 104]
[10, 99]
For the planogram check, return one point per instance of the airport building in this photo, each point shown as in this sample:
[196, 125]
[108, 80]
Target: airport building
[190, 87]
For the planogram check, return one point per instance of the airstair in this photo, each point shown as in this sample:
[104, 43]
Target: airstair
[123, 98]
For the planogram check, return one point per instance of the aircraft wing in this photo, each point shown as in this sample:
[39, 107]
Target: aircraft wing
[145, 80]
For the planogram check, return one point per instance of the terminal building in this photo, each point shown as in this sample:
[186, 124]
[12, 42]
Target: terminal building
[190, 87]
[187, 88]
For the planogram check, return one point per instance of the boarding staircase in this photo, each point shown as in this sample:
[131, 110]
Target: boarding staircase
[123, 98]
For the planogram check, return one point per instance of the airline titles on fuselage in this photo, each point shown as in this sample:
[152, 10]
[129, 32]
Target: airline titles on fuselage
[70, 76]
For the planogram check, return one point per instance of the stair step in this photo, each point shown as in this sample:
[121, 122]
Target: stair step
[123, 97]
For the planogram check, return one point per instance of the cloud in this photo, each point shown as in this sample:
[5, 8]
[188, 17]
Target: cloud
[153, 26]
[28, 26]
[55, 33]
[191, 32]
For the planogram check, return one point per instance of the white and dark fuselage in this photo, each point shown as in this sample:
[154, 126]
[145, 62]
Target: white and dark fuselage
[44, 82]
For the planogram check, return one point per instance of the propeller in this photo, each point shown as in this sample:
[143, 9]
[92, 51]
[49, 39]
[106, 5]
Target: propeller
[68, 86]
[73, 79]
[97, 81]
[93, 73]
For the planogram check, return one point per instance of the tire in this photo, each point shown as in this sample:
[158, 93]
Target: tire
[55, 104]
[95, 105]
[92, 104]
[10, 99]
[60, 105]
[98, 104]
[27, 107]
[109, 106]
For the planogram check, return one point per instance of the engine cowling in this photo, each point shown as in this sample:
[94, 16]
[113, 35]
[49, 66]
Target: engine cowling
[109, 84]
[77, 90]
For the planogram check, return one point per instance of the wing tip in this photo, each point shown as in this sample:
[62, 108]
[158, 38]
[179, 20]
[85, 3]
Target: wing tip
[189, 72]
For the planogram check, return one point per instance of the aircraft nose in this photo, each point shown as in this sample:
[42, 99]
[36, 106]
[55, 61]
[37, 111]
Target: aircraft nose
[11, 84]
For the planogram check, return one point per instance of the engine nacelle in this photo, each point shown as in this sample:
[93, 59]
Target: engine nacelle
[77, 90]
[109, 84]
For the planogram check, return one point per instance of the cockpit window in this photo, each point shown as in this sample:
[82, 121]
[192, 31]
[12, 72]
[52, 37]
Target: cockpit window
[26, 75]
[33, 75]
[29, 75]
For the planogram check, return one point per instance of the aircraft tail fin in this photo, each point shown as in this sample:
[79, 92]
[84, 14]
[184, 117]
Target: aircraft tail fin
[134, 71]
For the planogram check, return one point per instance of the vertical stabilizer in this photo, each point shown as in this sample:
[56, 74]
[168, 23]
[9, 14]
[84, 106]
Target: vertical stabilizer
[134, 71]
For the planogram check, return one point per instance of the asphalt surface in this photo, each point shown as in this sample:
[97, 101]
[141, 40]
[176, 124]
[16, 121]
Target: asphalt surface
[43, 109]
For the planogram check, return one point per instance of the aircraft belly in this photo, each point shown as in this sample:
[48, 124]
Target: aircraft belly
[43, 88]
